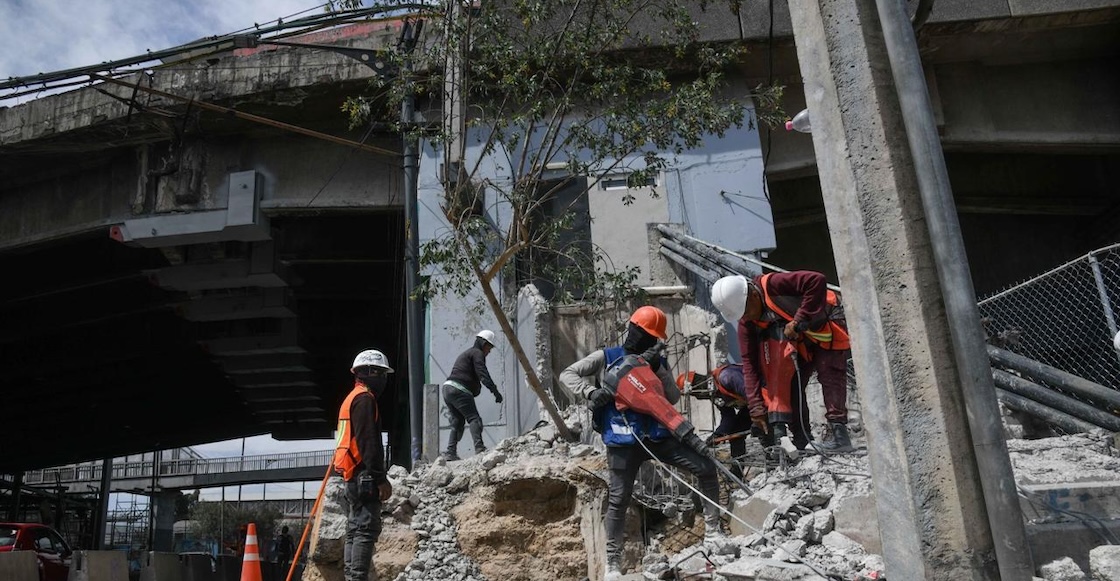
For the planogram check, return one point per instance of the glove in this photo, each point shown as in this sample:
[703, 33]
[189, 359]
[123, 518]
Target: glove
[693, 441]
[384, 491]
[759, 423]
[497, 397]
[599, 397]
[791, 331]
[653, 355]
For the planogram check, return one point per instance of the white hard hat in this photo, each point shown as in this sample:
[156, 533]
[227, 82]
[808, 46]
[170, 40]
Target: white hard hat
[371, 358]
[487, 335]
[1116, 341]
[729, 295]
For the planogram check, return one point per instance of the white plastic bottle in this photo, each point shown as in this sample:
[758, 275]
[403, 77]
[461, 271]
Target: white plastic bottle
[800, 122]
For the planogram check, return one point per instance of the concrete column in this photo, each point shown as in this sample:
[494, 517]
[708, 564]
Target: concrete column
[163, 537]
[431, 445]
[927, 486]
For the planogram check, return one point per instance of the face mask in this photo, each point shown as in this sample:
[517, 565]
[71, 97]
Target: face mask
[637, 340]
[375, 383]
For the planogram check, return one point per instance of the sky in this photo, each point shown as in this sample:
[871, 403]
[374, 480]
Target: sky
[40, 36]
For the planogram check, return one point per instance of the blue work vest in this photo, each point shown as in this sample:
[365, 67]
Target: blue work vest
[625, 428]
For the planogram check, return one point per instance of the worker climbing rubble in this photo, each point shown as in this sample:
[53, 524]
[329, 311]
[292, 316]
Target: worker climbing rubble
[789, 326]
[468, 375]
[631, 437]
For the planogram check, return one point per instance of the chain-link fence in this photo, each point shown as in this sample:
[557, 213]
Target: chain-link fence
[1065, 318]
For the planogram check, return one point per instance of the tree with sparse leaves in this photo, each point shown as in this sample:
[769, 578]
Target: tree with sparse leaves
[588, 87]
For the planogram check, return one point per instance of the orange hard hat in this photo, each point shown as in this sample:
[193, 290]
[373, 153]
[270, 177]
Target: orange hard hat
[651, 320]
[691, 378]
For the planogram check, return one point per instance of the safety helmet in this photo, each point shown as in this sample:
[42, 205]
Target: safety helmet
[371, 358]
[729, 295]
[691, 379]
[486, 335]
[651, 319]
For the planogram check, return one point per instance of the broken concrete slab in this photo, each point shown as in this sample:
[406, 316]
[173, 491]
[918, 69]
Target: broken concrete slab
[1104, 563]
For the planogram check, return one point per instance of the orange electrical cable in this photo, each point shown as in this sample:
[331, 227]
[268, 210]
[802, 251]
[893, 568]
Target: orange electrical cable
[310, 519]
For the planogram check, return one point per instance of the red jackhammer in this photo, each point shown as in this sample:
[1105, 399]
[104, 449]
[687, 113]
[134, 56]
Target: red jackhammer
[636, 387]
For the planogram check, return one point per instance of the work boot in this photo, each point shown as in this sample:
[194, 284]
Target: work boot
[841, 441]
[613, 571]
[450, 456]
[715, 541]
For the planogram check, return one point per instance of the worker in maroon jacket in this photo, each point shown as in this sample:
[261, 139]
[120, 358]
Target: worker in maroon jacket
[782, 318]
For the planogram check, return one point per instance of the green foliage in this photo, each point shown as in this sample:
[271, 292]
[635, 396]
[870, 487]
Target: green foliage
[185, 504]
[213, 521]
[599, 86]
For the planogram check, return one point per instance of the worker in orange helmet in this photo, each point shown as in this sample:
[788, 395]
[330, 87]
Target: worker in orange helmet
[628, 434]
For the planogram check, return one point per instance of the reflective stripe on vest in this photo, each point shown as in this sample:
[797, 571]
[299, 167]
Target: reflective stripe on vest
[347, 456]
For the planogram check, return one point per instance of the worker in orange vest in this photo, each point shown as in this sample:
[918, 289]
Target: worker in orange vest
[783, 318]
[359, 460]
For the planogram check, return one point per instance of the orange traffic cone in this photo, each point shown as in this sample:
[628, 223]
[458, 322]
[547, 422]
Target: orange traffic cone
[251, 562]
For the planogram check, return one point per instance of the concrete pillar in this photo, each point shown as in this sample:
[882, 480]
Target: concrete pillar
[431, 445]
[928, 494]
[163, 538]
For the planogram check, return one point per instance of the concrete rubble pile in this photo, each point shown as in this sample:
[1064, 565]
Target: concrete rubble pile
[531, 510]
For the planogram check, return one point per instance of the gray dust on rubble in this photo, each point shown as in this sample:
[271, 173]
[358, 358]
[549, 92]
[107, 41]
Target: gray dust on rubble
[796, 541]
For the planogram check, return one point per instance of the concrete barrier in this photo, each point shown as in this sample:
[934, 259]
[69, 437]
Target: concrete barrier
[158, 566]
[99, 566]
[198, 567]
[229, 568]
[19, 566]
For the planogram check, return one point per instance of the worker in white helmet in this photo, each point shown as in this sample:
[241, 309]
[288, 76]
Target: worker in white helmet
[359, 460]
[468, 375]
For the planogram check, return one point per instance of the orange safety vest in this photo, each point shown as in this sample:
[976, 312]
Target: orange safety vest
[719, 386]
[831, 335]
[347, 457]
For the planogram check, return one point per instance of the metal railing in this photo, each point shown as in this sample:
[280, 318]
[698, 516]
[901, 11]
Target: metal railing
[1065, 318]
[179, 467]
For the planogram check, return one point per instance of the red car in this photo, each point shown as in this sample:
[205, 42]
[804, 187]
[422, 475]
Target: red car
[53, 551]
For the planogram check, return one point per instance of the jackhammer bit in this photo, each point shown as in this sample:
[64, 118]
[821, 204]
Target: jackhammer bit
[687, 435]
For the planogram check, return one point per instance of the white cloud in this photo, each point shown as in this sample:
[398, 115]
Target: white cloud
[53, 35]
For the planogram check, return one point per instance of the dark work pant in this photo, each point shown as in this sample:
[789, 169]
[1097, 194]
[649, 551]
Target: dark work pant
[733, 420]
[363, 527]
[832, 373]
[461, 410]
[624, 463]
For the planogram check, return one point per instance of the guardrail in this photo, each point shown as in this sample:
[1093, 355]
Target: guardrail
[178, 467]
